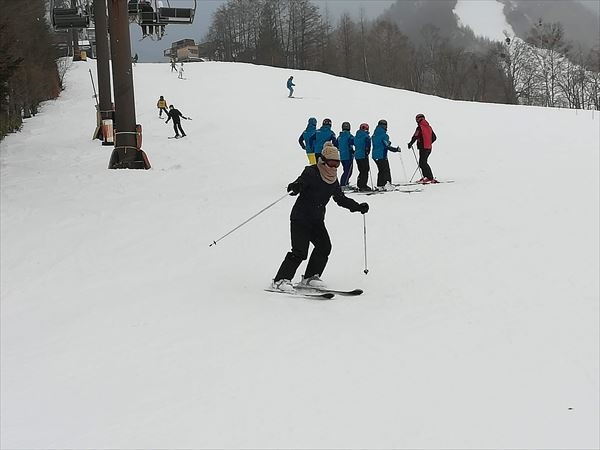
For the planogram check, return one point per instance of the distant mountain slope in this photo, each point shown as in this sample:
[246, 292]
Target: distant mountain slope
[580, 26]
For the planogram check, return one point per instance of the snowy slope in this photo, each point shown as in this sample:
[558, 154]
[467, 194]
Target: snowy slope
[121, 328]
[484, 17]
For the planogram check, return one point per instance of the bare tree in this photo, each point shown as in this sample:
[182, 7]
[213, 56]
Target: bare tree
[28, 73]
[550, 57]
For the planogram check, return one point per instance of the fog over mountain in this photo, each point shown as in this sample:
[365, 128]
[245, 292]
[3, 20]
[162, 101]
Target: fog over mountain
[581, 27]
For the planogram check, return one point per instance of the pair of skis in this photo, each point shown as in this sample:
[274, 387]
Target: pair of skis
[383, 191]
[315, 293]
[416, 183]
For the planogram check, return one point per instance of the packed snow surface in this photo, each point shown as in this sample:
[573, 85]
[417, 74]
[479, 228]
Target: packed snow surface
[122, 328]
[485, 17]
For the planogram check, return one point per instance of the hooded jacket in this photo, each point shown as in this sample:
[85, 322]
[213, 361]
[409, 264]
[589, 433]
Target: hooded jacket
[323, 134]
[381, 143]
[305, 138]
[345, 145]
[362, 144]
[424, 136]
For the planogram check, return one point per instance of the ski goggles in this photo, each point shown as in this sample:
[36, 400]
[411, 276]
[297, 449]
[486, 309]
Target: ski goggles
[331, 162]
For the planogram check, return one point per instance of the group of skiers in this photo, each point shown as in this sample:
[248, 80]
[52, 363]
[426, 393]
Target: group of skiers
[359, 146]
[171, 113]
[174, 68]
[318, 183]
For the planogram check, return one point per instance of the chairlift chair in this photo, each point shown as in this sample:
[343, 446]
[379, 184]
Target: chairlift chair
[169, 15]
[162, 12]
[65, 16]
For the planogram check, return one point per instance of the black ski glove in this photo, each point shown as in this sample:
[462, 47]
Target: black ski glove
[294, 188]
[363, 208]
[409, 145]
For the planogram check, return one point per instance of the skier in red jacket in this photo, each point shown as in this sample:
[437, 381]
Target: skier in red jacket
[425, 137]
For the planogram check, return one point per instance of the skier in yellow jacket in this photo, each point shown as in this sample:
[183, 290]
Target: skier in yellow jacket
[161, 104]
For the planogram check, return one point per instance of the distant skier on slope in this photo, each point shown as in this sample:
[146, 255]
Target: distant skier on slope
[381, 146]
[305, 142]
[316, 185]
[290, 85]
[425, 137]
[176, 115]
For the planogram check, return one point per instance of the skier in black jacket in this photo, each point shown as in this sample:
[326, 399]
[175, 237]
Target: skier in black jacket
[176, 115]
[316, 185]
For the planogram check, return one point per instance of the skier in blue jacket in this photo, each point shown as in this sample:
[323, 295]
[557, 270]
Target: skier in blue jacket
[305, 142]
[381, 146]
[290, 86]
[323, 134]
[346, 148]
[362, 148]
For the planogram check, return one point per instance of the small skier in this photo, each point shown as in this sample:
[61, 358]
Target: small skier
[305, 140]
[161, 104]
[425, 137]
[173, 65]
[362, 146]
[180, 71]
[176, 115]
[316, 185]
[346, 147]
[381, 146]
[290, 86]
[322, 135]
[134, 60]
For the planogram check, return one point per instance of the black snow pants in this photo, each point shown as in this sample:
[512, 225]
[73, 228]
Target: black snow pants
[425, 169]
[383, 172]
[302, 234]
[363, 173]
[177, 128]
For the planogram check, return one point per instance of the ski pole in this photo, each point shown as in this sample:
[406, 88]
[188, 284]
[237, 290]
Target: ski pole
[93, 87]
[413, 175]
[418, 166]
[403, 168]
[366, 271]
[249, 219]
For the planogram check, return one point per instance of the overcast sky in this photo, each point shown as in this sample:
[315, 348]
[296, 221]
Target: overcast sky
[152, 51]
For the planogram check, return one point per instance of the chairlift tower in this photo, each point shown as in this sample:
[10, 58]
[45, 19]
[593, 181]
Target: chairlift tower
[127, 153]
[105, 106]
